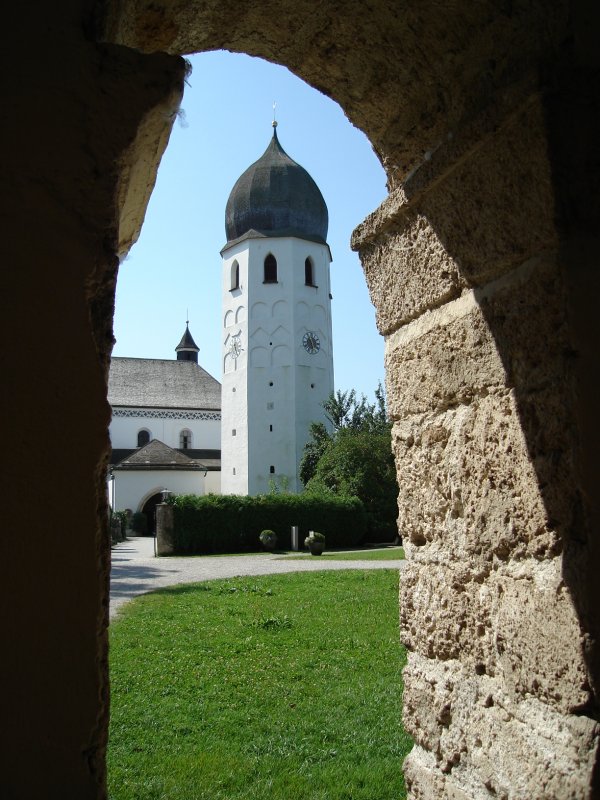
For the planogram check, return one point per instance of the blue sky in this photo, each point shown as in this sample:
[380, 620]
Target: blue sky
[175, 266]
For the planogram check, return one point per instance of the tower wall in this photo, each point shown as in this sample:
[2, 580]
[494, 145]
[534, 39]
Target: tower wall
[275, 388]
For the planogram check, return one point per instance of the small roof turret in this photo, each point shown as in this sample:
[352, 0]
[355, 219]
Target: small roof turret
[187, 349]
[275, 196]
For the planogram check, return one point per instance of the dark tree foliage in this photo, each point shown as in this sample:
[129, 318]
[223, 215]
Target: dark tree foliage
[313, 450]
[354, 458]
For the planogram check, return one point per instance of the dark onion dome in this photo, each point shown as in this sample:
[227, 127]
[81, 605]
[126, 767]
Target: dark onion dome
[276, 197]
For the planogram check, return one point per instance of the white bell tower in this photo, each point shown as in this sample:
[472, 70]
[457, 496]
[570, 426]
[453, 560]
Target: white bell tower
[277, 348]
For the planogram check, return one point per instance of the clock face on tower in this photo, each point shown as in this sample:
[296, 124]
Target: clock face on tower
[311, 342]
[235, 348]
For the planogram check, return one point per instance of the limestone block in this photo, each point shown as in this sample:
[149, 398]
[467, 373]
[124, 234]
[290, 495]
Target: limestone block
[538, 641]
[445, 613]
[527, 318]
[446, 357]
[467, 485]
[424, 780]
[517, 623]
[474, 741]
[408, 270]
[496, 208]
[492, 211]
[513, 331]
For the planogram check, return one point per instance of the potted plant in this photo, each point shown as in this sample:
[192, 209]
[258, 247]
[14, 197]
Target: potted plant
[268, 539]
[315, 542]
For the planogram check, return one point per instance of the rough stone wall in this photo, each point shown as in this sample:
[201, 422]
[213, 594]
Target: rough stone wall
[483, 266]
[71, 113]
[481, 364]
[404, 72]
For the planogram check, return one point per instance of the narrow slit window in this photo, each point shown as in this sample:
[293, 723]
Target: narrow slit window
[309, 278]
[272, 469]
[235, 276]
[270, 269]
[185, 439]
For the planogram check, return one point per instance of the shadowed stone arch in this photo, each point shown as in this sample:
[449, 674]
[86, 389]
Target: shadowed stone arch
[482, 265]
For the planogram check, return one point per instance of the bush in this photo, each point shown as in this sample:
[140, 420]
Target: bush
[315, 542]
[139, 523]
[268, 539]
[232, 523]
[361, 464]
[117, 528]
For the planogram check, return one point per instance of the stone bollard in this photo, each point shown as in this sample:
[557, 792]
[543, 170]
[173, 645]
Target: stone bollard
[164, 529]
[295, 543]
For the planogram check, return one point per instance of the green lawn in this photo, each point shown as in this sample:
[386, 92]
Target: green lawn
[385, 554]
[283, 687]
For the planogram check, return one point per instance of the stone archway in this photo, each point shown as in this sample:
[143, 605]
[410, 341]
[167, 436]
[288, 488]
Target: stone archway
[482, 266]
[148, 507]
[473, 301]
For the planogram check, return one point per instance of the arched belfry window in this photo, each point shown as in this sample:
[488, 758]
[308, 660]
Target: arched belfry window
[235, 276]
[185, 439]
[270, 269]
[143, 437]
[309, 277]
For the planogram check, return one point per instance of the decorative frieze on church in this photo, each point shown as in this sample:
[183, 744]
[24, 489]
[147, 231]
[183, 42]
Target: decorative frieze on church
[156, 413]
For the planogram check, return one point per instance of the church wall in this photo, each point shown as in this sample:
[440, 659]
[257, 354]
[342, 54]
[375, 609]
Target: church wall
[134, 487]
[212, 482]
[206, 434]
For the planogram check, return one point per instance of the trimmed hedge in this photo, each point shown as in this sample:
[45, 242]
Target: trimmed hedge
[232, 523]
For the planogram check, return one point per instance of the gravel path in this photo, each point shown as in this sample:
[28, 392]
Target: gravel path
[136, 571]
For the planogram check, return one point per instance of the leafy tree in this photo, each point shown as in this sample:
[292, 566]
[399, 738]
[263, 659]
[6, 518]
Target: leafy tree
[344, 410]
[354, 458]
[313, 450]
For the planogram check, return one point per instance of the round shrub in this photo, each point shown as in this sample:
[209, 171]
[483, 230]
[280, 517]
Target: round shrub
[268, 539]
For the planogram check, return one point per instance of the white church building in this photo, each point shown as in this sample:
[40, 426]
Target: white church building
[173, 425]
[165, 429]
[277, 339]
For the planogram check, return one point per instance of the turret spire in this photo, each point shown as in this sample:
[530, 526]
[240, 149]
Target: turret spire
[187, 349]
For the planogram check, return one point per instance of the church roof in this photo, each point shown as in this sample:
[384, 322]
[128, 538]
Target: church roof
[162, 383]
[208, 459]
[275, 196]
[187, 342]
[158, 455]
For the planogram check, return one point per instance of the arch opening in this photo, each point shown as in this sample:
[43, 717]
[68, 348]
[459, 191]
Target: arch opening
[271, 272]
[491, 127]
[270, 269]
